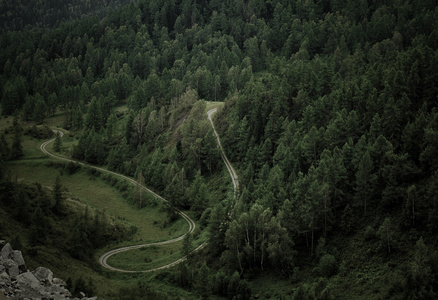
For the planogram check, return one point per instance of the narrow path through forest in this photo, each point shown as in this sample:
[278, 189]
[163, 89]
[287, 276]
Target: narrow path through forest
[104, 257]
[230, 168]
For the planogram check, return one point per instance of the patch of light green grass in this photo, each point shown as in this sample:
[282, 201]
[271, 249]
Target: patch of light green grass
[147, 258]
[214, 104]
[55, 121]
[121, 108]
[97, 193]
[154, 256]
[5, 122]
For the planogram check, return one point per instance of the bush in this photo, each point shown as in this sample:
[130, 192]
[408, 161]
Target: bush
[300, 293]
[72, 167]
[122, 186]
[328, 265]
[369, 233]
[94, 172]
[32, 131]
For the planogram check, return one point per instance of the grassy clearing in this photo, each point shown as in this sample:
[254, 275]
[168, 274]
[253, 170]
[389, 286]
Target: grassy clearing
[96, 193]
[67, 142]
[150, 257]
[93, 191]
[213, 104]
[85, 189]
[5, 122]
[57, 120]
[146, 258]
[121, 109]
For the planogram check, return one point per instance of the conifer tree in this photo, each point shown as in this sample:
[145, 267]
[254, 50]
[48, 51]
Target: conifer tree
[139, 197]
[57, 145]
[364, 180]
[17, 147]
[4, 148]
[58, 198]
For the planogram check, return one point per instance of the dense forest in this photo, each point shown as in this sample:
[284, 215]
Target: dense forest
[20, 15]
[330, 118]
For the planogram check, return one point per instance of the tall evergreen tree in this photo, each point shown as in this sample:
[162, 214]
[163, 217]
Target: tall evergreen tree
[365, 180]
[58, 197]
[17, 147]
[57, 145]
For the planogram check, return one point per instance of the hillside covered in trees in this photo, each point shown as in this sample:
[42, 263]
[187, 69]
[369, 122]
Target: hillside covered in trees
[19, 15]
[330, 117]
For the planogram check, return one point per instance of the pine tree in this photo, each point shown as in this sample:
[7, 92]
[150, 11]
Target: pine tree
[5, 152]
[139, 197]
[386, 233]
[202, 282]
[40, 111]
[57, 145]
[94, 115]
[38, 227]
[187, 244]
[17, 147]
[364, 180]
[58, 198]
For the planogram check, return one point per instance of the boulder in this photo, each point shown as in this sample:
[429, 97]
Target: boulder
[58, 296]
[17, 256]
[8, 263]
[27, 280]
[4, 279]
[58, 290]
[13, 271]
[11, 267]
[6, 251]
[59, 282]
[16, 282]
[44, 275]
[28, 286]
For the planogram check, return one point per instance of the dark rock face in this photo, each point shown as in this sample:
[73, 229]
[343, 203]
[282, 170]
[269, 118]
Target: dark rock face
[16, 282]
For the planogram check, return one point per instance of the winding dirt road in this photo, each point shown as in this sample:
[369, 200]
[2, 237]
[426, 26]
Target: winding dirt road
[103, 259]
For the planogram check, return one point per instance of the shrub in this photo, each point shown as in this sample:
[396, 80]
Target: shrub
[328, 265]
[369, 233]
[94, 172]
[72, 167]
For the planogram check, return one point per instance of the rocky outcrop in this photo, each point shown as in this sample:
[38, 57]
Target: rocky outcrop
[16, 282]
